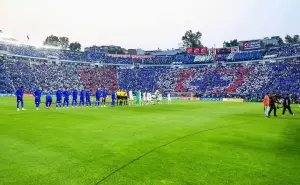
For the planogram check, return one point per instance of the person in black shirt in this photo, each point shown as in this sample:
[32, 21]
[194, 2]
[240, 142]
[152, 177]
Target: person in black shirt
[272, 104]
[287, 104]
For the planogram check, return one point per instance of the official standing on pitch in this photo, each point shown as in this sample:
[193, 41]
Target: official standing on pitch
[272, 105]
[287, 104]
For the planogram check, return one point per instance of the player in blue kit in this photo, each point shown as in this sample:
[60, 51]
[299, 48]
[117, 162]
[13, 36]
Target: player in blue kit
[59, 95]
[81, 101]
[74, 100]
[37, 95]
[66, 94]
[104, 95]
[98, 96]
[113, 98]
[19, 95]
[88, 98]
[48, 101]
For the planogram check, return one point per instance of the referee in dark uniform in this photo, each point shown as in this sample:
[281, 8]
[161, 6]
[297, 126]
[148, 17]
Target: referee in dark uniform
[287, 104]
[272, 105]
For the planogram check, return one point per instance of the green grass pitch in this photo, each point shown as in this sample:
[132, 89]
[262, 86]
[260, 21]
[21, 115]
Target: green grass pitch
[235, 144]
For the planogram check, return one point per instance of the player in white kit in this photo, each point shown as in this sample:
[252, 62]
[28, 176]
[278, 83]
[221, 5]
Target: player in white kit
[159, 98]
[144, 98]
[130, 97]
[169, 98]
[149, 98]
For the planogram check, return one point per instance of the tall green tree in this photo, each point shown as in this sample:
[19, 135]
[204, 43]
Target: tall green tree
[231, 43]
[75, 46]
[64, 42]
[280, 41]
[191, 39]
[116, 51]
[288, 39]
[292, 39]
[52, 40]
[296, 39]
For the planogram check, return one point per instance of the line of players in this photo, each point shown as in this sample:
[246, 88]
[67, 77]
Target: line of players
[120, 98]
[270, 102]
[143, 98]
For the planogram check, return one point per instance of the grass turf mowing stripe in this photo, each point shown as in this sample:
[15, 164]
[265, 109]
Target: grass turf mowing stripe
[163, 145]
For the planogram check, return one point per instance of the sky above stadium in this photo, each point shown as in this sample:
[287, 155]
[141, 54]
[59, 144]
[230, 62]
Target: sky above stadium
[148, 24]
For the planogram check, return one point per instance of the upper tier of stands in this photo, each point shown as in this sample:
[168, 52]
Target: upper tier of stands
[31, 51]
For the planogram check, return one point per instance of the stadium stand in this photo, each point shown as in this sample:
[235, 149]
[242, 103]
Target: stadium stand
[208, 79]
[246, 56]
[284, 51]
[5, 80]
[94, 77]
[117, 59]
[184, 58]
[51, 76]
[20, 73]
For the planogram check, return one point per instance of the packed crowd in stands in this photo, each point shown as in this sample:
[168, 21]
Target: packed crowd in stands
[5, 81]
[252, 80]
[152, 60]
[98, 77]
[284, 51]
[20, 73]
[215, 80]
[245, 56]
[184, 58]
[281, 78]
[218, 80]
[51, 76]
[118, 59]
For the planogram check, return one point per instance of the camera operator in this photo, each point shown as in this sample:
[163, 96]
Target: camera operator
[273, 100]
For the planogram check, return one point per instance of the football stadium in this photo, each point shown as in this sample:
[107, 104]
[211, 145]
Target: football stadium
[196, 115]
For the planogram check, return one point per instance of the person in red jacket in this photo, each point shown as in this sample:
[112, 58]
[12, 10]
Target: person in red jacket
[266, 104]
[272, 105]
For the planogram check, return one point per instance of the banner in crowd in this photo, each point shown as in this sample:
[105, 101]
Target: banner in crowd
[189, 51]
[233, 99]
[235, 49]
[270, 56]
[196, 51]
[211, 99]
[223, 50]
[203, 51]
[211, 51]
[203, 58]
[249, 45]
